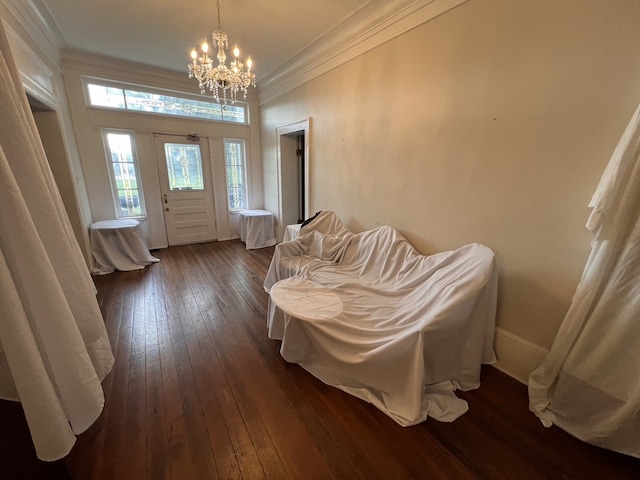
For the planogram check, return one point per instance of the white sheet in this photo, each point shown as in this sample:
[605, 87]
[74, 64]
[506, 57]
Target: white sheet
[589, 383]
[291, 232]
[54, 346]
[118, 245]
[257, 228]
[368, 314]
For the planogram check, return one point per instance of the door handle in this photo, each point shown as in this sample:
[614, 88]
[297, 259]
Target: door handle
[165, 198]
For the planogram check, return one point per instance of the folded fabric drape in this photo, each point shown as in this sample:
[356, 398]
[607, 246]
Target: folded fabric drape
[54, 349]
[589, 383]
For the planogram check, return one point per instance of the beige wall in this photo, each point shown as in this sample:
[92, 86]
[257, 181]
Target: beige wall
[491, 123]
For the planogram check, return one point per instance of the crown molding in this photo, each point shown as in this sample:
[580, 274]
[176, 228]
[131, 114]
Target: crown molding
[37, 78]
[34, 18]
[376, 23]
[110, 68]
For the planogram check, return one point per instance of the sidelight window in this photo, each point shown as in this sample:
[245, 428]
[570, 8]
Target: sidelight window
[127, 192]
[234, 153]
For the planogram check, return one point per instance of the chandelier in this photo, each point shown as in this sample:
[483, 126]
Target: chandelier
[223, 81]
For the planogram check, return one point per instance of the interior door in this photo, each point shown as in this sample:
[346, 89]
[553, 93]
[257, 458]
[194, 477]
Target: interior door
[187, 191]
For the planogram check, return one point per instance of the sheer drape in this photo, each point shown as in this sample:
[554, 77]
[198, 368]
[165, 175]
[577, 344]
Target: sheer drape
[589, 383]
[54, 350]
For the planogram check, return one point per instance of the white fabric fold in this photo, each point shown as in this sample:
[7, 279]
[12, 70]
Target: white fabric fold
[119, 245]
[54, 345]
[589, 383]
[257, 228]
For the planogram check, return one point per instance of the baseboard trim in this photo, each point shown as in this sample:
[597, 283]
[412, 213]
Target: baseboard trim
[517, 357]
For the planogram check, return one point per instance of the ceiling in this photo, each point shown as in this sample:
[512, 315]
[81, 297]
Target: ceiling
[161, 33]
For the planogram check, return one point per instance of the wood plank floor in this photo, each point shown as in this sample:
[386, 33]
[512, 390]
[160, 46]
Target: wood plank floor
[198, 391]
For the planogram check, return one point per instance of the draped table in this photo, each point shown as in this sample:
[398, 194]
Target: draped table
[119, 245]
[257, 228]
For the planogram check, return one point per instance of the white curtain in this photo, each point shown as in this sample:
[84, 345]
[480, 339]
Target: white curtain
[54, 350]
[589, 383]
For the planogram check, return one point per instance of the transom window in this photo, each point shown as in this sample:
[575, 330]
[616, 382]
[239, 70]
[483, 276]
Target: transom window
[110, 95]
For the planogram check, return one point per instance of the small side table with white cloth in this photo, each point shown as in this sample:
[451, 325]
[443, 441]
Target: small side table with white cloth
[257, 228]
[118, 245]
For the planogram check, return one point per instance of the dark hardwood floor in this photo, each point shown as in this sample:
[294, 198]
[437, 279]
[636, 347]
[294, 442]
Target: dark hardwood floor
[198, 391]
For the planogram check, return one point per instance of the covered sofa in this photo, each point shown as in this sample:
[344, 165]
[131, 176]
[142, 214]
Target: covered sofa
[368, 314]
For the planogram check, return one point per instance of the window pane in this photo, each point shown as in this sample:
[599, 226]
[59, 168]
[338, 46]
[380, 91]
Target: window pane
[160, 103]
[184, 165]
[125, 175]
[233, 156]
[129, 203]
[123, 169]
[117, 175]
[130, 180]
[168, 105]
[233, 113]
[234, 176]
[120, 147]
[236, 198]
[101, 96]
[234, 159]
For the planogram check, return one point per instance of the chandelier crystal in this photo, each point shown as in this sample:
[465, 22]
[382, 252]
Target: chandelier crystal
[223, 81]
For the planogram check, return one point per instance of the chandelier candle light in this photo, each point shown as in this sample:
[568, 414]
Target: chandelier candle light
[222, 81]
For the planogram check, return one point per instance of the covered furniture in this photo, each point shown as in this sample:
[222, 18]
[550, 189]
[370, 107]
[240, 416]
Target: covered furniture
[369, 315]
[118, 245]
[291, 232]
[257, 228]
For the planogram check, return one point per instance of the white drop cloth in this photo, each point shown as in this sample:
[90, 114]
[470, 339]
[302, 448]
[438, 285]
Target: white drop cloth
[291, 232]
[257, 228]
[368, 314]
[118, 245]
[589, 383]
[54, 349]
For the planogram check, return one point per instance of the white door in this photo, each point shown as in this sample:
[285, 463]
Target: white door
[187, 191]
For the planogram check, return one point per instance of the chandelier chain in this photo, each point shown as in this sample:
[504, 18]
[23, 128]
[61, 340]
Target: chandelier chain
[219, 21]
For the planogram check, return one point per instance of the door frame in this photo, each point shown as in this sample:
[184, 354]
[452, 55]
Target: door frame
[303, 126]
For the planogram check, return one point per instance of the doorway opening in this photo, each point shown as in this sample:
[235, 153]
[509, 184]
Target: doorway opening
[293, 172]
[50, 133]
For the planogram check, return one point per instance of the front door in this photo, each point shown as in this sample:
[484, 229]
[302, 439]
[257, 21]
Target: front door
[187, 190]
